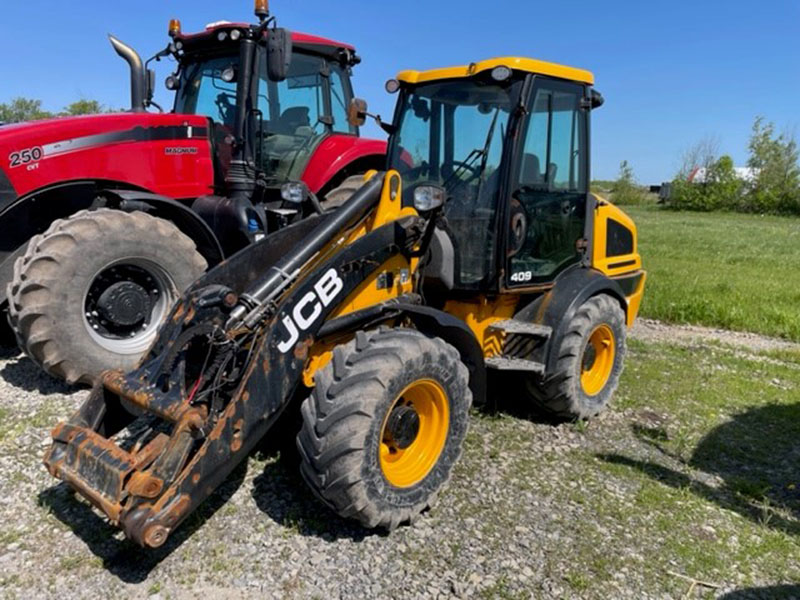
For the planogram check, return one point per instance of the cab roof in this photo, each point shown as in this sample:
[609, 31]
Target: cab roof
[303, 39]
[528, 65]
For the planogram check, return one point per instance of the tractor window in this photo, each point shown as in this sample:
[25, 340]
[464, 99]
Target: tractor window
[548, 206]
[292, 113]
[340, 99]
[452, 134]
[203, 92]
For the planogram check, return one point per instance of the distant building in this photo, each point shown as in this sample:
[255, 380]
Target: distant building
[746, 174]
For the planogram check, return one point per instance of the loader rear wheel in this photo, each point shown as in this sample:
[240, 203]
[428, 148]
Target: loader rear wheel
[384, 426]
[590, 361]
[90, 293]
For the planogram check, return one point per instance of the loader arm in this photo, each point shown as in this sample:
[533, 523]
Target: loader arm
[227, 363]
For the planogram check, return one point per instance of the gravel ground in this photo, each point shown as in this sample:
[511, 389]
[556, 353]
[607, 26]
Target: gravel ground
[650, 330]
[498, 531]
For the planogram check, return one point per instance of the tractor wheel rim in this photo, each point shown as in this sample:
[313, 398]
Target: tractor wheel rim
[598, 360]
[411, 444]
[125, 303]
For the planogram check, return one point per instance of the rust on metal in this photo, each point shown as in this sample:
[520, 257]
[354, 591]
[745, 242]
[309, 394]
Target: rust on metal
[302, 349]
[145, 485]
[151, 451]
[155, 536]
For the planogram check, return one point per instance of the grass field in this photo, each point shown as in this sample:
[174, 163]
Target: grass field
[723, 270]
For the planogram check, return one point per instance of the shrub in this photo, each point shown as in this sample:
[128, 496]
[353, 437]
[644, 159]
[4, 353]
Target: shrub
[720, 189]
[625, 190]
[776, 185]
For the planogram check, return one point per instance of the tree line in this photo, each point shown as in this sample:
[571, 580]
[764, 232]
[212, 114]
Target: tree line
[707, 180]
[27, 109]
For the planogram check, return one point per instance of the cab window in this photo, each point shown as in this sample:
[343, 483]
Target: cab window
[204, 92]
[340, 99]
[548, 204]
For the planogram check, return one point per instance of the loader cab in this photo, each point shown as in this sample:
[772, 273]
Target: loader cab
[285, 120]
[508, 140]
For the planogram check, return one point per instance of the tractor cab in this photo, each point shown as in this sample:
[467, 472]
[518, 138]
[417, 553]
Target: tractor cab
[286, 115]
[507, 140]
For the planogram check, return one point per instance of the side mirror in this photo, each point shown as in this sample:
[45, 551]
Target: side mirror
[597, 99]
[357, 112]
[279, 53]
[151, 86]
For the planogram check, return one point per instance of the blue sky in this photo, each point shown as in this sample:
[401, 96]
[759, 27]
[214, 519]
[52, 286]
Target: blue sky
[671, 72]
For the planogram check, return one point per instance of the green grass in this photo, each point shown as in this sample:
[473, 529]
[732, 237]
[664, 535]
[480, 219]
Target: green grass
[739, 272]
[691, 473]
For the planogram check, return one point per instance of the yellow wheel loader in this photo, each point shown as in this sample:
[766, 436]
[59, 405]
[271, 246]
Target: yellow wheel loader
[479, 248]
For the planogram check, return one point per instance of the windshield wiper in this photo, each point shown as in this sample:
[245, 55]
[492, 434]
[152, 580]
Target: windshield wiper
[482, 153]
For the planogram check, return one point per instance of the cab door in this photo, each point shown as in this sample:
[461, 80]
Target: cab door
[548, 186]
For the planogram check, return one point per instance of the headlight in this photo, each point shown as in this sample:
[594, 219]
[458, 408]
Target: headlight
[229, 74]
[294, 192]
[501, 73]
[173, 82]
[429, 197]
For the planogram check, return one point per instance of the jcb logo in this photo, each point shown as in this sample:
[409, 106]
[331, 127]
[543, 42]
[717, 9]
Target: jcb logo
[307, 311]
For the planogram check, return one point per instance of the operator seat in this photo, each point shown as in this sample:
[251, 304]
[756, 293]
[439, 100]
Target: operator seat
[293, 119]
[531, 173]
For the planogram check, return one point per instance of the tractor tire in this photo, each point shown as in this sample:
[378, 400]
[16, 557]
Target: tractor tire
[590, 362]
[90, 293]
[341, 193]
[384, 426]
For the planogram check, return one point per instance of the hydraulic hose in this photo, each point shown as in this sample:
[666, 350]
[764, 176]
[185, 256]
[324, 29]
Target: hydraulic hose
[252, 302]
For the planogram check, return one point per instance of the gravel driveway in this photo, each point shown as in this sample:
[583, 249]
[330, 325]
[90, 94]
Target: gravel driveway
[508, 525]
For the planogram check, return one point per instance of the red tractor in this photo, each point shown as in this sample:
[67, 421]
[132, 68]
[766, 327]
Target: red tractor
[105, 219]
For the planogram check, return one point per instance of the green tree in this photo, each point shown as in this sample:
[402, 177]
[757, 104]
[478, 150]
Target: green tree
[774, 159]
[625, 189]
[83, 107]
[22, 109]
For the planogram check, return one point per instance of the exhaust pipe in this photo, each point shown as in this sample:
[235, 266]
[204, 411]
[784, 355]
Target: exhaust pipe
[138, 77]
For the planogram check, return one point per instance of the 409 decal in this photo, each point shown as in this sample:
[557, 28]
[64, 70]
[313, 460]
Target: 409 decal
[24, 157]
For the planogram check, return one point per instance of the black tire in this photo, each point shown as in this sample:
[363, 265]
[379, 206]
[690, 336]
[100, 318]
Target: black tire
[51, 288]
[345, 418]
[341, 193]
[562, 392]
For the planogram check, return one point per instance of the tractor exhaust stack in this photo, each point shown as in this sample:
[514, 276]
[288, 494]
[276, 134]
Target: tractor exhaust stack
[138, 75]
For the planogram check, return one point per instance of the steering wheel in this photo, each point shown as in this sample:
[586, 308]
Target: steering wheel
[473, 170]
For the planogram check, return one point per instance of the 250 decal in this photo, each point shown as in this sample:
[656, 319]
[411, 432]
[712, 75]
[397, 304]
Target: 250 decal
[24, 157]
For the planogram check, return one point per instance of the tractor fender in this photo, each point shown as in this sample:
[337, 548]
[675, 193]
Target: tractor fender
[558, 306]
[339, 156]
[455, 332]
[171, 210]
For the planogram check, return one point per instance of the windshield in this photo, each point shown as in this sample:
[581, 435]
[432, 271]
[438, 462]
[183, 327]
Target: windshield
[452, 133]
[293, 116]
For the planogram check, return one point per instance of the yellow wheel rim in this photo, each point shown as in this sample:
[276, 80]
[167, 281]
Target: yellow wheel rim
[598, 360]
[414, 433]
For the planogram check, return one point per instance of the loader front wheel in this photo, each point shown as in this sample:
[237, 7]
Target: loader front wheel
[384, 426]
[90, 293]
[590, 361]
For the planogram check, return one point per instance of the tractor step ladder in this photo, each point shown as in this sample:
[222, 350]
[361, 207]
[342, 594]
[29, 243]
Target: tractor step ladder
[521, 339]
